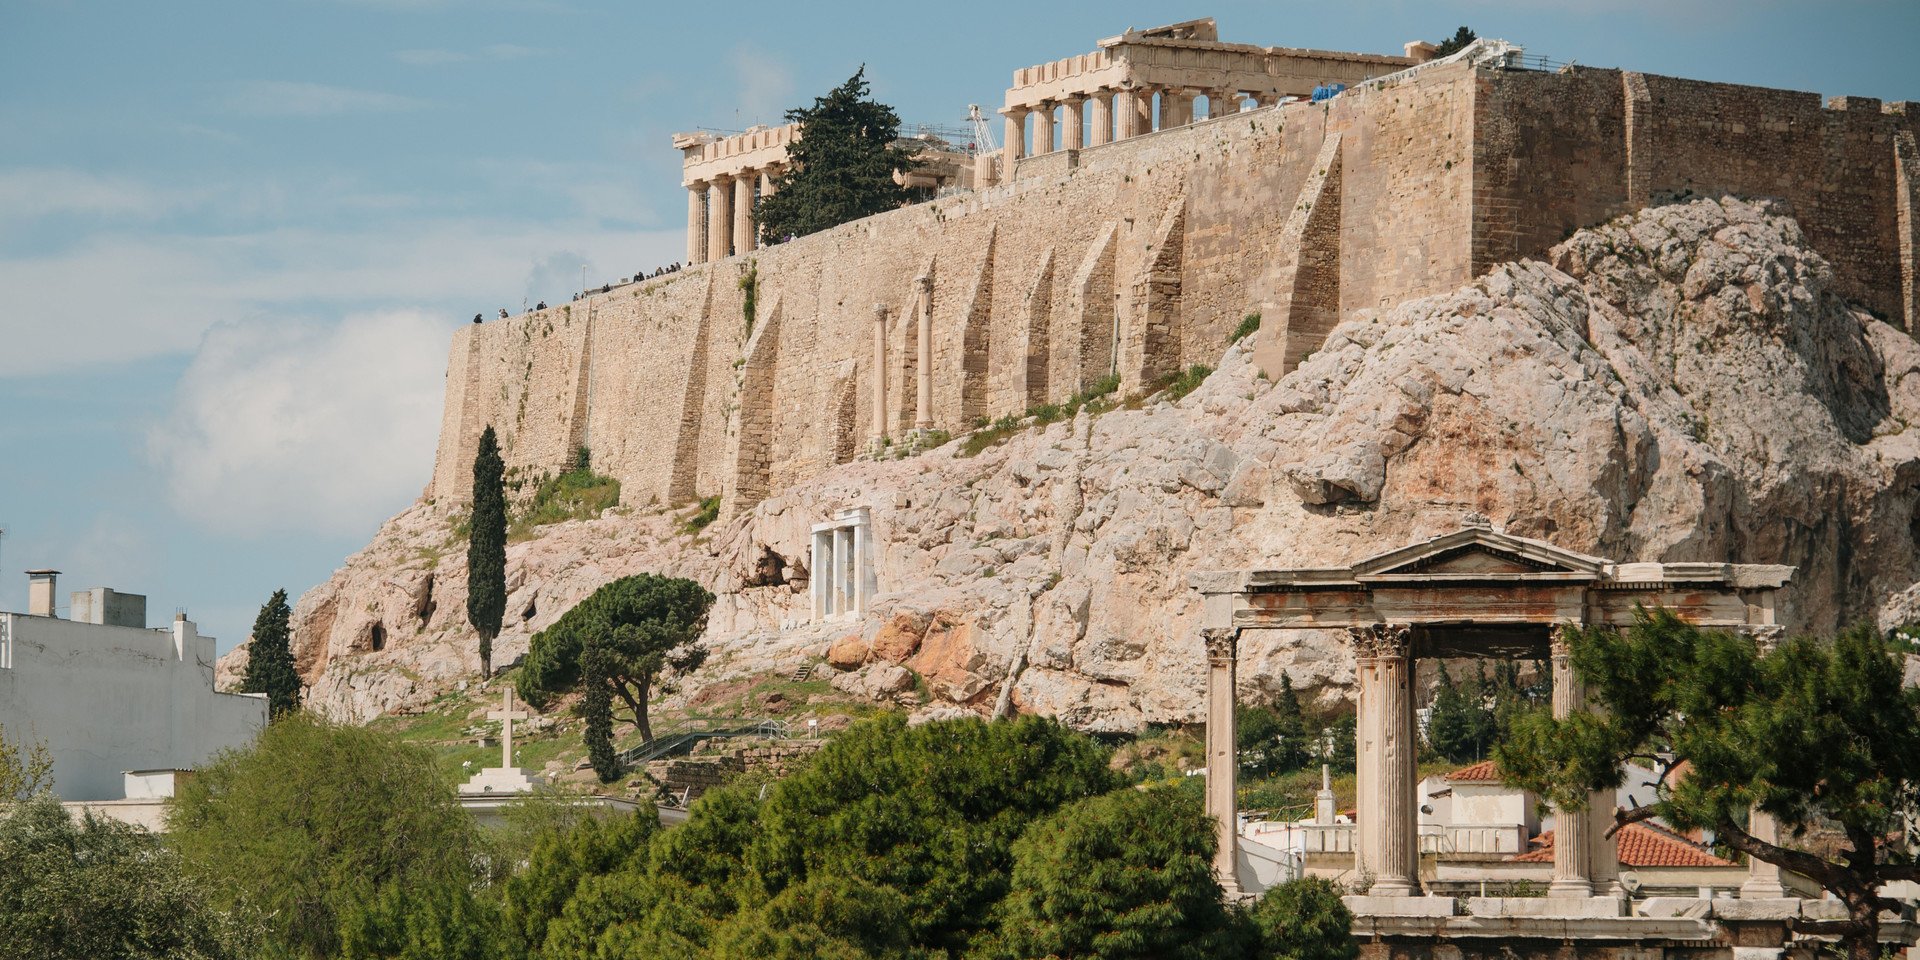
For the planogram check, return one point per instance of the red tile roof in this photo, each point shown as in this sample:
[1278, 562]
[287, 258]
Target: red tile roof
[1482, 772]
[1639, 845]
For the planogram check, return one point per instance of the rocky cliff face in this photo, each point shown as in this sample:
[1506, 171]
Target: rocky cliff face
[1678, 385]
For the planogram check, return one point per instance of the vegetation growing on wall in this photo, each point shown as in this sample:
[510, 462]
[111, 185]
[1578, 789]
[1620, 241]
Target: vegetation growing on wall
[578, 494]
[750, 293]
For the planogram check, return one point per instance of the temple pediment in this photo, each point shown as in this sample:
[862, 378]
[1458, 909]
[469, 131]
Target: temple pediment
[1478, 553]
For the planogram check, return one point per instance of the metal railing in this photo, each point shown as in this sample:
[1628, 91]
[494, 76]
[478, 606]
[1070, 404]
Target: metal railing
[682, 736]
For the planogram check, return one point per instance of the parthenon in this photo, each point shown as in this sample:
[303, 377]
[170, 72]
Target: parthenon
[1109, 94]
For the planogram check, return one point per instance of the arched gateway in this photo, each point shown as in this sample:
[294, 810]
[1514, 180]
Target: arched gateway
[1476, 592]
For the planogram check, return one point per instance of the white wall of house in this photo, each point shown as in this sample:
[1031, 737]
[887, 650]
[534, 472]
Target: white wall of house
[105, 700]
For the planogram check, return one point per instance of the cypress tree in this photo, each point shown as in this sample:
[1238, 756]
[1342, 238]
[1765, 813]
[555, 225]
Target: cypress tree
[487, 548]
[596, 706]
[842, 165]
[270, 667]
[1294, 741]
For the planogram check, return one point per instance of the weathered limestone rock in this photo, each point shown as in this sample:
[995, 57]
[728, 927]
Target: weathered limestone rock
[1681, 385]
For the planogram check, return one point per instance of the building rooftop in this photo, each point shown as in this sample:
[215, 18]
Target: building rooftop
[1640, 845]
[1482, 772]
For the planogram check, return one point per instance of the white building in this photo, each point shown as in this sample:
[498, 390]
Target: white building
[109, 697]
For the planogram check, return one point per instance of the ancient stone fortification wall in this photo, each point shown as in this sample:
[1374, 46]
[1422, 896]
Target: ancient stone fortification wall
[1140, 256]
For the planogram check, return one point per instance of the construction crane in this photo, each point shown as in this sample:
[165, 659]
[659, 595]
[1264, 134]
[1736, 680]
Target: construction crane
[983, 141]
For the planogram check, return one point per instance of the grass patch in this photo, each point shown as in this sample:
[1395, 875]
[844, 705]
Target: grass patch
[1247, 328]
[1187, 381]
[578, 494]
[1096, 399]
[702, 518]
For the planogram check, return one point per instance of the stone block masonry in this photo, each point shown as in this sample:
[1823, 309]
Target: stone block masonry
[1140, 256]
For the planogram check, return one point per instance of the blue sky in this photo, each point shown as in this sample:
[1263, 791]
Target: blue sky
[235, 236]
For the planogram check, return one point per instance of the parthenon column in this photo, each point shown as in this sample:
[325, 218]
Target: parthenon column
[1143, 110]
[696, 223]
[1126, 113]
[923, 364]
[1572, 829]
[1222, 760]
[1222, 103]
[1388, 843]
[879, 384]
[1763, 878]
[1176, 108]
[743, 212]
[1016, 141]
[719, 218]
[1043, 129]
[1070, 121]
[1102, 132]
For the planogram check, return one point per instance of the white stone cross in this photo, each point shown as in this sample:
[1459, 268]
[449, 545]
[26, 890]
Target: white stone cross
[507, 715]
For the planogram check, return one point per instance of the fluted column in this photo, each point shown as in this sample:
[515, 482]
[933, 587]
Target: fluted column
[1223, 766]
[879, 377]
[1126, 113]
[1016, 142]
[1071, 118]
[923, 363]
[1763, 878]
[696, 223]
[1388, 845]
[743, 212]
[1221, 103]
[1102, 119]
[1181, 102]
[719, 218]
[1043, 129]
[1143, 109]
[1572, 829]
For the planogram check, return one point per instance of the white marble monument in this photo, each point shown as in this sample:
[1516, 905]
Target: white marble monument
[505, 778]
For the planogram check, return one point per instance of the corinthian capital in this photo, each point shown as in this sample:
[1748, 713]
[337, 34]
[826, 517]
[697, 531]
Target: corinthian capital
[1376, 640]
[1221, 642]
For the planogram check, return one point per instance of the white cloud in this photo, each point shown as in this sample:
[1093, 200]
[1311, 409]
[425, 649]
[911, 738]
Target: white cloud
[497, 52]
[304, 427]
[33, 192]
[291, 98]
[765, 85]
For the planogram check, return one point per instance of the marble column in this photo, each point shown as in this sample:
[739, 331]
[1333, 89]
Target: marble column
[1102, 132]
[1181, 112]
[1143, 105]
[1223, 763]
[1126, 113]
[923, 363]
[696, 223]
[1572, 829]
[1222, 103]
[1072, 110]
[1043, 129]
[1016, 142]
[879, 378]
[1388, 845]
[743, 225]
[1763, 878]
[719, 218]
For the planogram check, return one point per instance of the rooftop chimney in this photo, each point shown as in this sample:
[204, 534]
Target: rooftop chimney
[40, 592]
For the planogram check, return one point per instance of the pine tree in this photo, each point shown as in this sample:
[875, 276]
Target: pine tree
[1455, 43]
[270, 668]
[487, 548]
[641, 626]
[842, 165]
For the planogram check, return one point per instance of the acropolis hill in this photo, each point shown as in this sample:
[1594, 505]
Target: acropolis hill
[1454, 318]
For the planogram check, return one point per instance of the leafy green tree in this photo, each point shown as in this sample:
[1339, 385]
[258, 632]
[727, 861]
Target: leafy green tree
[24, 772]
[487, 547]
[832, 917]
[537, 894]
[842, 165]
[642, 624]
[1303, 919]
[1821, 734]
[99, 888]
[311, 821]
[1455, 43]
[1294, 742]
[1460, 723]
[438, 919]
[1124, 875]
[931, 811]
[270, 667]
[1273, 739]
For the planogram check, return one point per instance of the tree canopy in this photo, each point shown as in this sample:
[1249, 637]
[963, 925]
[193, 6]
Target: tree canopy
[487, 547]
[1455, 43]
[99, 888]
[315, 821]
[841, 164]
[270, 668]
[1819, 733]
[615, 643]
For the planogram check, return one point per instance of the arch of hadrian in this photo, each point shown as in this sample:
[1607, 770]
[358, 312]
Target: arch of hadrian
[1476, 592]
